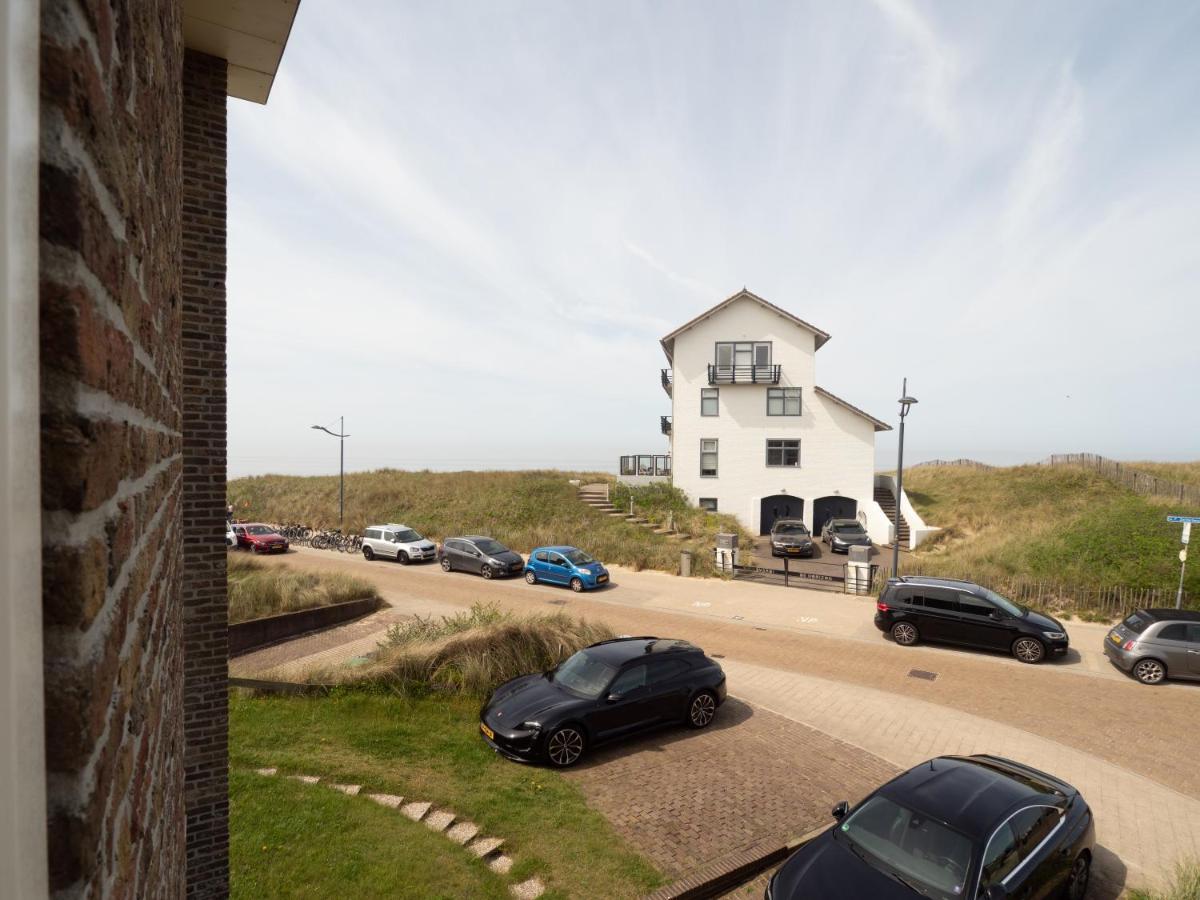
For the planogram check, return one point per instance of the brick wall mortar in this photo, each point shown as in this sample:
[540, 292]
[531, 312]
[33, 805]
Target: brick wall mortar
[205, 598]
[112, 456]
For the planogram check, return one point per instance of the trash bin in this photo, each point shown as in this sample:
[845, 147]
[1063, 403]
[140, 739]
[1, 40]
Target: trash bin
[685, 563]
[858, 570]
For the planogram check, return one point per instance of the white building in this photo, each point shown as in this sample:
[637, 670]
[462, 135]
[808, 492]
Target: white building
[751, 431]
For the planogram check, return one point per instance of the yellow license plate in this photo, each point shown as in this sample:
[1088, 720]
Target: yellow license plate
[490, 734]
[1116, 638]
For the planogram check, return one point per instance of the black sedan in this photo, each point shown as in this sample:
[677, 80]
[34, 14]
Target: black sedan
[481, 555]
[953, 828]
[791, 537]
[842, 534]
[609, 690]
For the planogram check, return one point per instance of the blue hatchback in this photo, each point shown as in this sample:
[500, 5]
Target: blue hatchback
[565, 565]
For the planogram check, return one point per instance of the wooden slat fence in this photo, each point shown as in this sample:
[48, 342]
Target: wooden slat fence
[1137, 481]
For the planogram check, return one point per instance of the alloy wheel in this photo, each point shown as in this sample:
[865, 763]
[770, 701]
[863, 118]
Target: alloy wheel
[402, 558]
[904, 633]
[1149, 671]
[486, 572]
[576, 585]
[1028, 650]
[1077, 883]
[445, 564]
[530, 578]
[704, 707]
[565, 746]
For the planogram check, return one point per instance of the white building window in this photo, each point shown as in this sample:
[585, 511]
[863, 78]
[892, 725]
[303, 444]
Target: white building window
[708, 503]
[708, 458]
[783, 453]
[783, 401]
[709, 399]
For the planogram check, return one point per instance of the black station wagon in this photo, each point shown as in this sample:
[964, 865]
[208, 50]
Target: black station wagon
[607, 691]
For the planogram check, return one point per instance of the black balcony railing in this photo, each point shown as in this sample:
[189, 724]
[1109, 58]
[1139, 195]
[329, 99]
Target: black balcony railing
[666, 424]
[743, 374]
[666, 381]
[648, 464]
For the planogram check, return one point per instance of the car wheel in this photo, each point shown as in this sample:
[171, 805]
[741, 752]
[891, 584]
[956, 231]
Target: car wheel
[564, 746]
[368, 553]
[1149, 671]
[702, 710]
[905, 634]
[402, 558]
[1077, 881]
[577, 585]
[487, 572]
[530, 578]
[446, 567]
[1028, 650]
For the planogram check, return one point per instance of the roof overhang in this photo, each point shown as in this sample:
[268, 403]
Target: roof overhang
[668, 342]
[879, 426]
[250, 34]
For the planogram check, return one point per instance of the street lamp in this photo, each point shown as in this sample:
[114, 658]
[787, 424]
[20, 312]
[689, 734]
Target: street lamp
[905, 402]
[342, 465]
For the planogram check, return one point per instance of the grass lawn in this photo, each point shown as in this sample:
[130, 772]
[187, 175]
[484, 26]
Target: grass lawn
[521, 509]
[297, 840]
[1039, 522]
[256, 590]
[426, 748]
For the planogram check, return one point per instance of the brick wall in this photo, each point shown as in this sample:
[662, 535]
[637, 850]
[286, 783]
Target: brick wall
[112, 464]
[205, 600]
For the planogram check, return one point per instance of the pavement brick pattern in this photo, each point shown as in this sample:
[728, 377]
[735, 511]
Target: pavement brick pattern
[687, 798]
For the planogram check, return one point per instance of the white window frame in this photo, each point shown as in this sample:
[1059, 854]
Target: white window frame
[715, 398]
[715, 451]
[23, 854]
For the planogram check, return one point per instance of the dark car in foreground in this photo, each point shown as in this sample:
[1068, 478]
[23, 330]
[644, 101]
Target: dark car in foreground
[482, 555]
[607, 691]
[953, 828]
[1156, 644]
[791, 537]
[259, 538]
[842, 534]
[916, 608]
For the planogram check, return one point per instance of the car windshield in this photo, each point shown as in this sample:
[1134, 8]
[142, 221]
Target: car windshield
[791, 529]
[407, 536]
[584, 674]
[902, 843]
[490, 547]
[259, 529]
[578, 557]
[848, 528]
[1013, 609]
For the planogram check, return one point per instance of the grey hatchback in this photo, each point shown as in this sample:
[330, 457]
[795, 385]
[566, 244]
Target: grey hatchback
[1156, 644]
[482, 555]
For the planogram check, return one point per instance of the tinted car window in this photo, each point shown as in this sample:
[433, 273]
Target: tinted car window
[557, 560]
[1001, 856]
[1136, 623]
[935, 600]
[1174, 632]
[541, 556]
[629, 680]
[974, 606]
[665, 670]
[584, 674]
[490, 547]
[1193, 635]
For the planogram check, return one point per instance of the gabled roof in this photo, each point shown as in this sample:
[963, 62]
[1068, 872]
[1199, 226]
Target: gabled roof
[668, 343]
[879, 426]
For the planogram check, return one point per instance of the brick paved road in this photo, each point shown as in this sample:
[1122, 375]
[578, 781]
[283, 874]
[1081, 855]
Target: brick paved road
[687, 798]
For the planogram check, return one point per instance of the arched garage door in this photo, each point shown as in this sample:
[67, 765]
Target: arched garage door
[778, 506]
[827, 508]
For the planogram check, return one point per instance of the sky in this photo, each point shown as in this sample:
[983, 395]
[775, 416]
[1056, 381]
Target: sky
[465, 226]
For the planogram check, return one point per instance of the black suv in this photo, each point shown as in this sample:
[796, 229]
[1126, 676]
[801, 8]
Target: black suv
[914, 608]
[606, 691]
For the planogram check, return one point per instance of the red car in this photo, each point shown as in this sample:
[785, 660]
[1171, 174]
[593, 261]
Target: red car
[260, 539]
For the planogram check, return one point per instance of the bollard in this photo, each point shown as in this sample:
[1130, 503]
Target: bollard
[685, 563]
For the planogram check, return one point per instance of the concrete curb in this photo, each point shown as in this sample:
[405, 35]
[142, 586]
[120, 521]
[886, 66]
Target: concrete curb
[733, 870]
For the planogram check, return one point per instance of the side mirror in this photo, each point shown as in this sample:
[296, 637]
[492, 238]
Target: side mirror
[839, 811]
[995, 892]
[613, 697]
[996, 615]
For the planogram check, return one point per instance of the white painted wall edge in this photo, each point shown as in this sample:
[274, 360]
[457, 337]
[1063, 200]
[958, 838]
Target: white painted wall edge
[918, 530]
[23, 863]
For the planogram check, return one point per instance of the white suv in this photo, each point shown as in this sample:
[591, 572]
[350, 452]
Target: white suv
[398, 542]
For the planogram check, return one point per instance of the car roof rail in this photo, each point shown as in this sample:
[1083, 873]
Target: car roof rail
[625, 637]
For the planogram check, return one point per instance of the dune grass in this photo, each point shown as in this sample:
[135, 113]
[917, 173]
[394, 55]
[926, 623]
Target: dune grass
[257, 590]
[521, 509]
[423, 747]
[1185, 885]
[470, 653]
[1059, 524]
[1185, 472]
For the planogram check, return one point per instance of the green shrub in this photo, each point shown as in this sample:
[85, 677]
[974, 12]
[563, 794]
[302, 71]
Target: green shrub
[1184, 886]
[257, 590]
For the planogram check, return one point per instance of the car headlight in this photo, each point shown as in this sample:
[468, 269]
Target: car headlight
[531, 726]
[1054, 635]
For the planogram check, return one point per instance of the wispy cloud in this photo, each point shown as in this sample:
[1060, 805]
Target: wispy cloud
[933, 69]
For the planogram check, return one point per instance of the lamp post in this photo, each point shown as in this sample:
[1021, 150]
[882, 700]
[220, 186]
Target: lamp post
[905, 402]
[342, 465]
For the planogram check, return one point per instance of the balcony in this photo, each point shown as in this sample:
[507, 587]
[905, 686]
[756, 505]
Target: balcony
[743, 374]
[665, 422]
[666, 381]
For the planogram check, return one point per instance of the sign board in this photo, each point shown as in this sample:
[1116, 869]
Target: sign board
[1187, 519]
[1187, 533]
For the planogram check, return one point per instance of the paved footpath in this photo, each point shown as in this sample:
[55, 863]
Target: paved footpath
[1140, 824]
